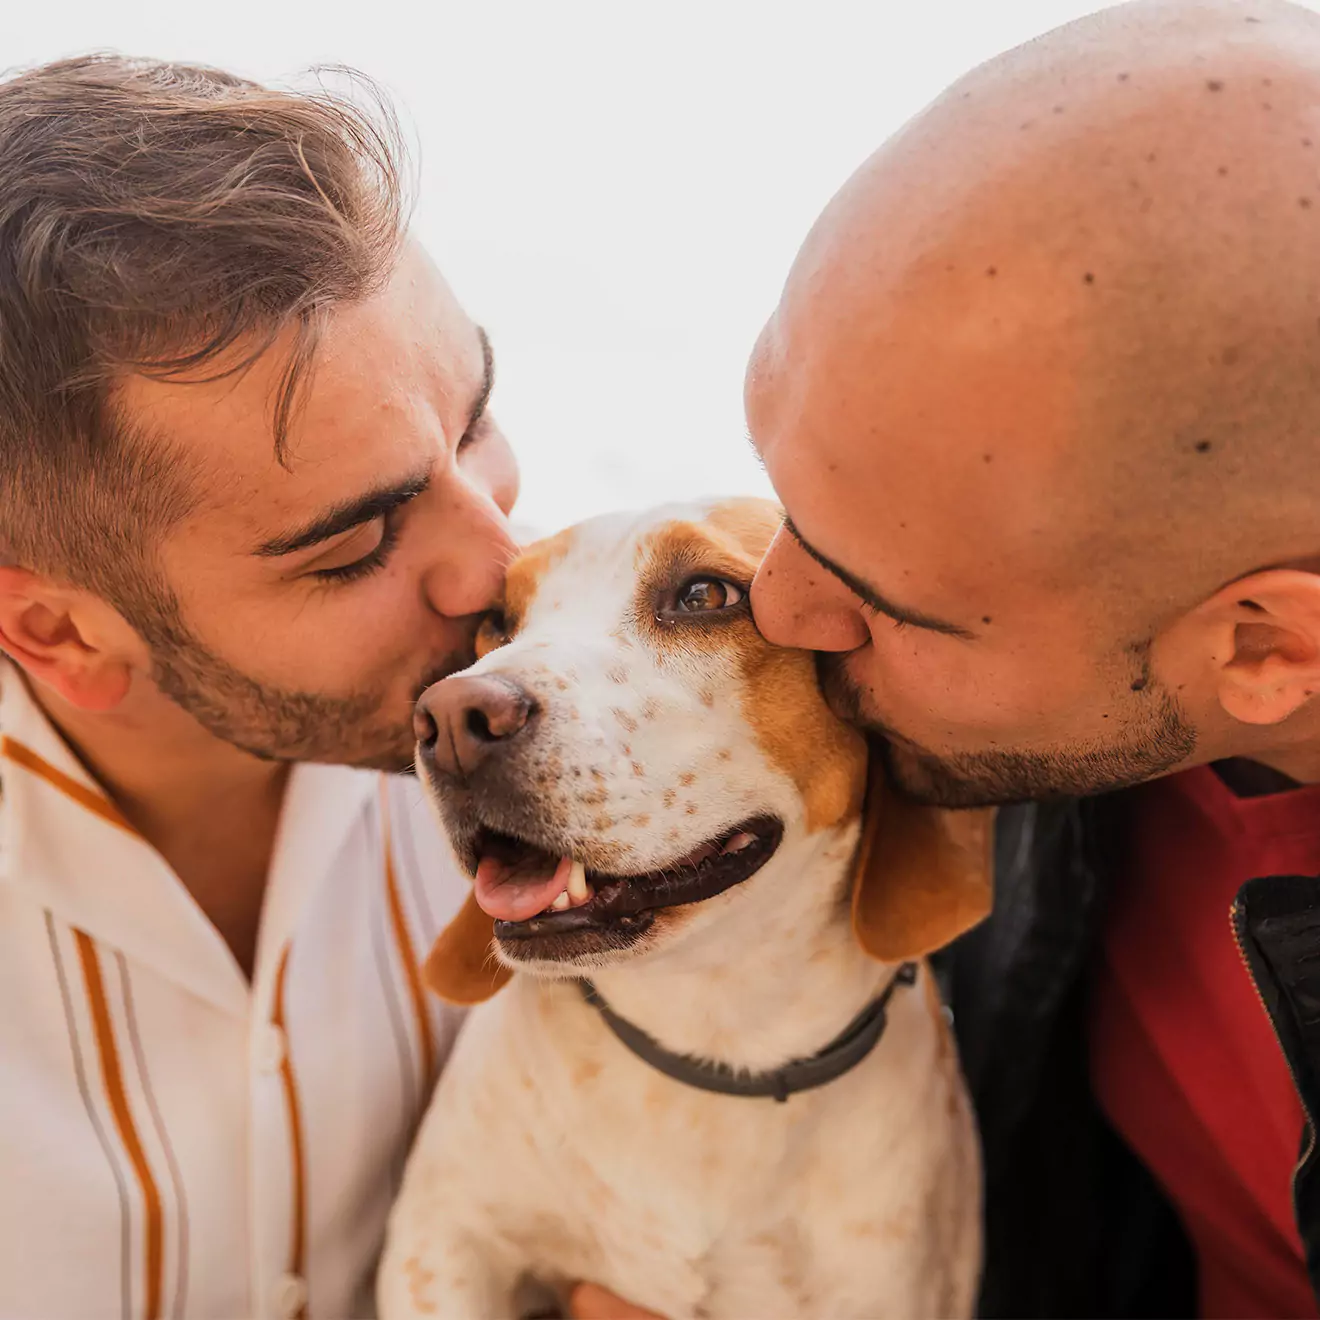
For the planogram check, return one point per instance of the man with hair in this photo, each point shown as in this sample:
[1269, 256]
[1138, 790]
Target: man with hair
[253, 502]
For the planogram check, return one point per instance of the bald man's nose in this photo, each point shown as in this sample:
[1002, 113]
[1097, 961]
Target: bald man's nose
[795, 602]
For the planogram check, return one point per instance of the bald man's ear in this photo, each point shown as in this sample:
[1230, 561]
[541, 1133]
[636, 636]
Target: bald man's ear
[1266, 640]
[64, 638]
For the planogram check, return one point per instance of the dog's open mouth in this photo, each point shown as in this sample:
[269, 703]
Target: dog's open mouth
[536, 896]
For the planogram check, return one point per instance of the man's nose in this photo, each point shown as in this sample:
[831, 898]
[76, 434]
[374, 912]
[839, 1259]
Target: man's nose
[467, 575]
[462, 720]
[795, 602]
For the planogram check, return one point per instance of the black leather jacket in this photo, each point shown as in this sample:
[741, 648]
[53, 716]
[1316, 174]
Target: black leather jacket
[1075, 1226]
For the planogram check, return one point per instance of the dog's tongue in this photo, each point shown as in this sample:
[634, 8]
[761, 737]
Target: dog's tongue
[514, 891]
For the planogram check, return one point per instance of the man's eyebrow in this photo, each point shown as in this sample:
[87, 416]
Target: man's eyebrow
[343, 517]
[871, 597]
[353, 513]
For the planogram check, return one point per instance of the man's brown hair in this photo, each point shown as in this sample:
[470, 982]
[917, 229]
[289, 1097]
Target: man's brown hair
[171, 220]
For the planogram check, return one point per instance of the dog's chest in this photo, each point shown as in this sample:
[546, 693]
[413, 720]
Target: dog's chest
[688, 1201]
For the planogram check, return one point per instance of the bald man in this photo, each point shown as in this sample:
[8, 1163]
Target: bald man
[1042, 401]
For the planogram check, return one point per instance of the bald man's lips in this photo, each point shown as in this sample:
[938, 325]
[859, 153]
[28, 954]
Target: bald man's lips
[841, 696]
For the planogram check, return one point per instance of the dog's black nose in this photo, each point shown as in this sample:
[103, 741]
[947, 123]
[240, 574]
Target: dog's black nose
[461, 720]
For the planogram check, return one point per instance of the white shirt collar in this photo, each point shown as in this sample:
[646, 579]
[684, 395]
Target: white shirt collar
[61, 848]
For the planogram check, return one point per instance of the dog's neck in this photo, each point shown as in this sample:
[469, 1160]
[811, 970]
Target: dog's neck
[776, 979]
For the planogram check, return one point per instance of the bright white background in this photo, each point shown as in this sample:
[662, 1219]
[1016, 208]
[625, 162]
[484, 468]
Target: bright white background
[616, 190]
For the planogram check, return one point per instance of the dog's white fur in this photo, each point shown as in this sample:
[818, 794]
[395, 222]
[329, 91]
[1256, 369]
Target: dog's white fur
[550, 1151]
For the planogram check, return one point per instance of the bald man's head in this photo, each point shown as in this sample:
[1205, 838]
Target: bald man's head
[1043, 383]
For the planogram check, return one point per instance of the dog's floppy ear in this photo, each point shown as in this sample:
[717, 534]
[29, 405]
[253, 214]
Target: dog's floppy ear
[461, 967]
[922, 875]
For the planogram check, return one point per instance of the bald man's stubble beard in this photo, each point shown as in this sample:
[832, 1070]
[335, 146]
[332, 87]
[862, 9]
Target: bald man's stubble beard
[1162, 740]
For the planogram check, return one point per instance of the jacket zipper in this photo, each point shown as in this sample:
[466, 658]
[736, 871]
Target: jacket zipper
[1236, 921]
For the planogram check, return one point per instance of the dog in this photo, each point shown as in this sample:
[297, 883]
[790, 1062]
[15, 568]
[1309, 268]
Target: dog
[719, 1080]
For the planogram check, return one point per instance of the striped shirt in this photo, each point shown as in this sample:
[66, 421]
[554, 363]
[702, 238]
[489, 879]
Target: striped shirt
[174, 1139]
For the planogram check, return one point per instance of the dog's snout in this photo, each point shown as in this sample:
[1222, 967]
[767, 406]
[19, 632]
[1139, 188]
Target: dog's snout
[462, 720]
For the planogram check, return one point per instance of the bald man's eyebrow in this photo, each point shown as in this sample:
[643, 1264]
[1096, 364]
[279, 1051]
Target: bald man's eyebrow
[870, 597]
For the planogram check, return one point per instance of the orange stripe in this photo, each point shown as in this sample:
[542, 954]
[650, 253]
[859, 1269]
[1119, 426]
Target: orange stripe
[298, 1243]
[114, 1089]
[407, 956]
[80, 793]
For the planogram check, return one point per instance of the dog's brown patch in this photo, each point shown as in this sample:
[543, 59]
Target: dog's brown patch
[461, 967]
[781, 700]
[528, 571]
[750, 523]
[922, 874]
[420, 1280]
[673, 553]
[800, 735]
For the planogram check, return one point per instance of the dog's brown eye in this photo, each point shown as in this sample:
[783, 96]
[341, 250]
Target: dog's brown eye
[704, 595]
[492, 633]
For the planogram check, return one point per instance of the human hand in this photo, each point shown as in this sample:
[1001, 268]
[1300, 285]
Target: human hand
[589, 1302]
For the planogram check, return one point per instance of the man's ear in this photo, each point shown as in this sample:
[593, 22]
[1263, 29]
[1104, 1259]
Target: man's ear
[59, 636]
[1263, 633]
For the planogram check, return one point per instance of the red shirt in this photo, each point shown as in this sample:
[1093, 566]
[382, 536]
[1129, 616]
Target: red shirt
[1184, 1060]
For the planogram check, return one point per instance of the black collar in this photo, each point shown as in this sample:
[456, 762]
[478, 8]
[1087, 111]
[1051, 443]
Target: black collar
[841, 1055]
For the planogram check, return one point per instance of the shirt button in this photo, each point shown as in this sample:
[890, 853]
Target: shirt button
[290, 1295]
[270, 1049]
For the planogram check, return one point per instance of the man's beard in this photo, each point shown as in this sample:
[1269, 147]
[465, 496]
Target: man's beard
[982, 779]
[274, 723]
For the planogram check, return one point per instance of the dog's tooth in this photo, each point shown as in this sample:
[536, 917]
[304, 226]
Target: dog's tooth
[578, 891]
[561, 902]
[739, 842]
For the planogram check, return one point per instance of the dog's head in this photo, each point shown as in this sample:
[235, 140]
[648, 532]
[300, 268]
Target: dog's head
[628, 752]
